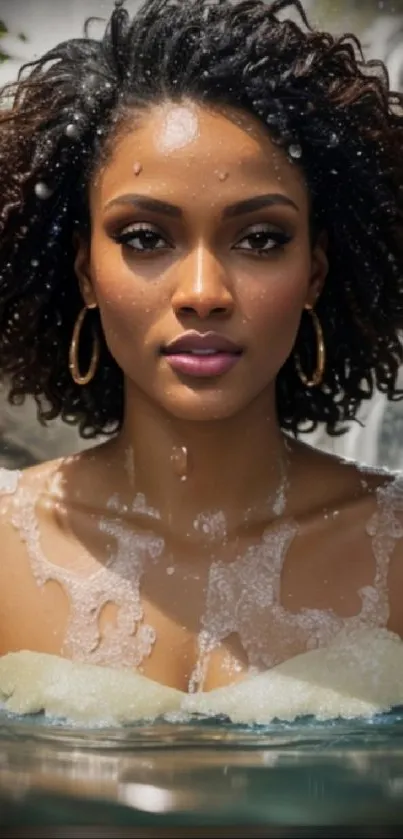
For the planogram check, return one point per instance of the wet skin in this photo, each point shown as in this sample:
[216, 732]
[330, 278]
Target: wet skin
[198, 222]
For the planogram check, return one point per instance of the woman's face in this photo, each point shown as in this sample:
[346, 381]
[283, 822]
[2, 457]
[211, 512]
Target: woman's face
[200, 230]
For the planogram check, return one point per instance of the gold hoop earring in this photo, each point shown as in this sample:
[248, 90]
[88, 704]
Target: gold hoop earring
[317, 377]
[74, 366]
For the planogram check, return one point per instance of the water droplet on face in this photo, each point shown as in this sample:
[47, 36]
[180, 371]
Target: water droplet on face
[180, 128]
[137, 168]
[42, 191]
[295, 151]
[180, 462]
[222, 176]
[170, 571]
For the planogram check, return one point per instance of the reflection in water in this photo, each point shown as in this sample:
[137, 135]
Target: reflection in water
[298, 774]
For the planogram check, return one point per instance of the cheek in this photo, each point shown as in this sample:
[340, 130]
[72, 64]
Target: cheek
[121, 310]
[274, 305]
[121, 297]
[124, 304]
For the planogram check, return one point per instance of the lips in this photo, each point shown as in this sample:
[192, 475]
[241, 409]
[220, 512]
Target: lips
[202, 355]
[203, 344]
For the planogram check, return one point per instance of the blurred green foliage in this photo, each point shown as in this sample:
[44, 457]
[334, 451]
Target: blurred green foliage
[3, 31]
[352, 15]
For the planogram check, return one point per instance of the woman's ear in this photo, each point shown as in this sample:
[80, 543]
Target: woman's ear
[320, 268]
[82, 268]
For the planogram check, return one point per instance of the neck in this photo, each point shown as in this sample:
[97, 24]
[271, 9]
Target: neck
[234, 467]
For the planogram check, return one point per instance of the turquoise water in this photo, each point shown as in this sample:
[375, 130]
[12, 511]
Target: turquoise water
[202, 772]
[383, 729]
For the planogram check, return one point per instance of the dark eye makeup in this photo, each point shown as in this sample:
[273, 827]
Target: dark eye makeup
[259, 239]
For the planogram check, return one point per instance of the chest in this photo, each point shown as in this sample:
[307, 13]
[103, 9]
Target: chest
[192, 618]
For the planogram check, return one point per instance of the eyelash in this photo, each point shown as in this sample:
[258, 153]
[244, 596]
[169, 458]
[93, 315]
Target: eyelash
[135, 231]
[278, 237]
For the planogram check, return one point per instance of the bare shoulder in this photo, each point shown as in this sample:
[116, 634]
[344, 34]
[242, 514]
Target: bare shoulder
[350, 488]
[17, 482]
[355, 508]
[355, 516]
[370, 526]
[386, 529]
[19, 595]
[17, 487]
[31, 498]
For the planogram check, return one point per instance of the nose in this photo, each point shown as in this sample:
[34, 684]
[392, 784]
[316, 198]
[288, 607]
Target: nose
[202, 287]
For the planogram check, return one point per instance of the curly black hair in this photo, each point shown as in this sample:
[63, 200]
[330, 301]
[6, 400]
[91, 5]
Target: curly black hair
[329, 108]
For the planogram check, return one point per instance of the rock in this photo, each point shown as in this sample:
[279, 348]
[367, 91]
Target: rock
[24, 440]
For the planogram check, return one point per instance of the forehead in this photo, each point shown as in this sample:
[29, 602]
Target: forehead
[190, 147]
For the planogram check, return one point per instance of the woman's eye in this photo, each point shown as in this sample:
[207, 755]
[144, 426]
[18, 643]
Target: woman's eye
[262, 240]
[142, 238]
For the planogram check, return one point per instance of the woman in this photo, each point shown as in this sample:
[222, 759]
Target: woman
[202, 255]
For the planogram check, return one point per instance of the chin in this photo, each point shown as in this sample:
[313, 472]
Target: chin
[203, 409]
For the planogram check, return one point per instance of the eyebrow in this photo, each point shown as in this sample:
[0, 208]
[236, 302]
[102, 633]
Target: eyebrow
[258, 203]
[249, 205]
